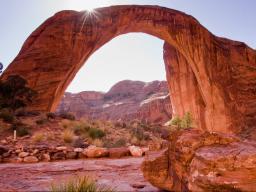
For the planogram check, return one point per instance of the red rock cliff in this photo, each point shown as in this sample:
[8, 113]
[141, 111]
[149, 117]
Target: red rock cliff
[127, 100]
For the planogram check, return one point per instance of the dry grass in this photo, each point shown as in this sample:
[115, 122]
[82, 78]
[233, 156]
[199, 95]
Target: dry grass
[97, 142]
[38, 137]
[68, 136]
[80, 184]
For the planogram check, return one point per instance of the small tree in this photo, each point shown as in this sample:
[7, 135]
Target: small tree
[14, 93]
[185, 122]
[176, 121]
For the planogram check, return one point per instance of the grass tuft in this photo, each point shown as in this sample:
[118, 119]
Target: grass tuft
[81, 184]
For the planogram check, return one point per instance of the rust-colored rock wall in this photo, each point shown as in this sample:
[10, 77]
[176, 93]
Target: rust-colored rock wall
[197, 162]
[223, 85]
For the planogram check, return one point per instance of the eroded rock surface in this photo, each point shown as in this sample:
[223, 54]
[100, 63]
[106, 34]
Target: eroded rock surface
[222, 93]
[197, 161]
[121, 174]
[126, 101]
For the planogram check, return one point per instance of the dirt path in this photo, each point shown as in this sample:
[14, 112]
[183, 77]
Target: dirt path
[119, 173]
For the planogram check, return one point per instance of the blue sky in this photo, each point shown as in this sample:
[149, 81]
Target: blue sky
[132, 56]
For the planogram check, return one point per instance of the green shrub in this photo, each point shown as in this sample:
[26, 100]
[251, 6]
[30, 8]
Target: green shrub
[176, 121]
[68, 116]
[185, 122]
[81, 128]
[14, 94]
[80, 184]
[119, 143]
[96, 133]
[140, 134]
[7, 116]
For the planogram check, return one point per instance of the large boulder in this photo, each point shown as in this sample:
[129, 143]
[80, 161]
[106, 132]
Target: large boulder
[135, 151]
[95, 152]
[30, 159]
[119, 152]
[197, 161]
[156, 171]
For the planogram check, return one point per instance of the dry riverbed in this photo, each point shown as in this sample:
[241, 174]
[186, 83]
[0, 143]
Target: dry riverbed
[123, 174]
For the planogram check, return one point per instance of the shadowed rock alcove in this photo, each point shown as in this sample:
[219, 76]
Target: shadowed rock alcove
[212, 77]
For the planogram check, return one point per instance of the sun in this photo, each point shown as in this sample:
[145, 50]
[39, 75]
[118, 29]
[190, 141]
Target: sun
[85, 5]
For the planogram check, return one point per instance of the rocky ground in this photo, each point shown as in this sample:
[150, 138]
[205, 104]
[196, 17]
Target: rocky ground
[122, 174]
[40, 138]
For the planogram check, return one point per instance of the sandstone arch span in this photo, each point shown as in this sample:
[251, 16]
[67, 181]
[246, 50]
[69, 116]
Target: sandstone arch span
[213, 77]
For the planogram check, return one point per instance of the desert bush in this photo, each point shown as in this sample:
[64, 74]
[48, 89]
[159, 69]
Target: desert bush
[7, 116]
[23, 112]
[140, 134]
[81, 127]
[68, 116]
[79, 143]
[95, 133]
[22, 131]
[119, 143]
[80, 184]
[14, 93]
[41, 121]
[68, 136]
[38, 137]
[50, 115]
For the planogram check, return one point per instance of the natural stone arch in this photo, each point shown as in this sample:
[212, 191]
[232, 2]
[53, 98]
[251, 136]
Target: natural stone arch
[222, 71]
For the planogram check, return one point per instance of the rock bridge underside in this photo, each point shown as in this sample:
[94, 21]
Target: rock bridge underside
[213, 78]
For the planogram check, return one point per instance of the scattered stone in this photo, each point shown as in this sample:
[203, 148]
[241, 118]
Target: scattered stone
[59, 156]
[35, 151]
[23, 154]
[19, 160]
[61, 148]
[3, 149]
[7, 154]
[95, 152]
[135, 151]
[138, 185]
[18, 151]
[144, 150]
[3, 141]
[78, 150]
[46, 157]
[119, 152]
[71, 155]
[30, 159]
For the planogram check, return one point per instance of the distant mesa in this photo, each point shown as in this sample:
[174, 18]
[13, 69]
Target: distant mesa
[125, 101]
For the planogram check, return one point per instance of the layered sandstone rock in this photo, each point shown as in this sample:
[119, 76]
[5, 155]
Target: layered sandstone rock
[219, 74]
[126, 101]
[197, 161]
